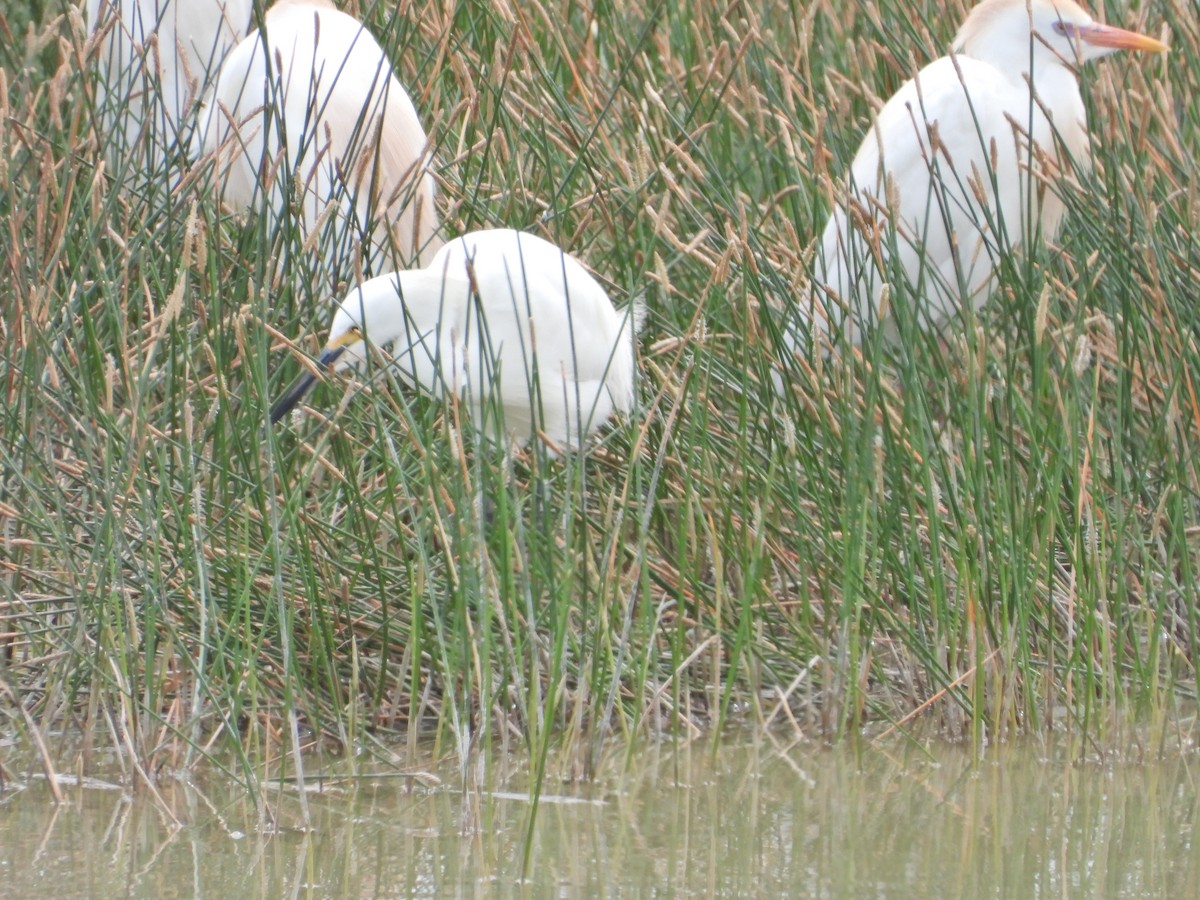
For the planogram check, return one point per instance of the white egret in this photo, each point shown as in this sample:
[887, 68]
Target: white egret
[510, 323]
[311, 101]
[154, 58]
[961, 163]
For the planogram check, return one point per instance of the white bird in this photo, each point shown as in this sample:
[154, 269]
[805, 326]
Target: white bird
[947, 165]
[510, 323]
[311, 101]
[154, 58]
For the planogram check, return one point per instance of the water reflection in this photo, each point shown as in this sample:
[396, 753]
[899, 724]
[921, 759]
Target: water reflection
[748, 820]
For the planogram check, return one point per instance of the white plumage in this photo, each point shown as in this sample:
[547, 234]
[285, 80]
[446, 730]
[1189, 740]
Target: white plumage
[154, 58]
[948, 160]
[508, 322]
[312, 101]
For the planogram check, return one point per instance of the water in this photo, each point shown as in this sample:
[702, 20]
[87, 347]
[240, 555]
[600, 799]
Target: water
[751, 819]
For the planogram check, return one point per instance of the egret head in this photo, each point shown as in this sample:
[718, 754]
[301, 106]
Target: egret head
[1000, 31]
[360, 314]
[372, 309]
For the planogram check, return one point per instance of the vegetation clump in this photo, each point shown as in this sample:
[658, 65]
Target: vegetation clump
[991, 529]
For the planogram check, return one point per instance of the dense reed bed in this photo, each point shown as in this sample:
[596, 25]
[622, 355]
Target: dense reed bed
[986, 531]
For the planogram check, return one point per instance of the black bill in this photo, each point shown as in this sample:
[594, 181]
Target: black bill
[293, 395]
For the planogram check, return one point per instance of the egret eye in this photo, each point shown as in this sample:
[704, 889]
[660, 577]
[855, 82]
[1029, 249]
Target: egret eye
[1064, 29]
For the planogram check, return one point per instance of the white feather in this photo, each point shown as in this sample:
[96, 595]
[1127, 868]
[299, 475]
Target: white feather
[154, 58]
[961, 162]
[508, 322]
[312, 101]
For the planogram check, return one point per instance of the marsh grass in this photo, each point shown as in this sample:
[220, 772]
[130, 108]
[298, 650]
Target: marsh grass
[986, 531]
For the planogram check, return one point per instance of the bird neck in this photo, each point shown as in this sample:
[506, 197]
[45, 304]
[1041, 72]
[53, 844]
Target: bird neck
[1002, 34]
[1031, 61]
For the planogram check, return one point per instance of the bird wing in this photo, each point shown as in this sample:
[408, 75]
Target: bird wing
[369, 147]
[231, 124]
[319, 102]
[522, 326]
[403, 183]
[942, 165]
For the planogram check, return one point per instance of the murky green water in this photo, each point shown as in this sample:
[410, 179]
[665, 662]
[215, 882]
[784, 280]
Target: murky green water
[749, 820]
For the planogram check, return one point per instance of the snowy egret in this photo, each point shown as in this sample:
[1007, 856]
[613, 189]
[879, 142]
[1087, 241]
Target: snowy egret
[948, 161]
[154, 60]
[508, 322]
[311, 101]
